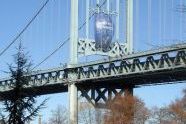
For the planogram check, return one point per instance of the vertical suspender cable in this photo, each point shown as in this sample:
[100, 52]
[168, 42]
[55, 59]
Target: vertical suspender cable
[43, 31]
[65, 41]
[164, 22]
[34, 29]
[58, 21]
[172, 19]
[108, 6]
[58, 14]
[97, 3]
[126, 11]
[50, 23]
[87, 18]
[87, 21]
[183, 21]
[117, 20]
[137, 24]
[181, 18]
[149, 23]
[160, 22]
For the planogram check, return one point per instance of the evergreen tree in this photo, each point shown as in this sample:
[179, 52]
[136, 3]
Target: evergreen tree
[20, 106]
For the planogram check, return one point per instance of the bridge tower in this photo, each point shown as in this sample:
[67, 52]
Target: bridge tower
[86, 46]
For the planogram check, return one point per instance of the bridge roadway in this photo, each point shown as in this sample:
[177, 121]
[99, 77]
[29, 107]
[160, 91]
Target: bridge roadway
[162, 65]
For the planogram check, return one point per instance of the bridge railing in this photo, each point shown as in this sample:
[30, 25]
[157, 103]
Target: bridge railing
[38, 78]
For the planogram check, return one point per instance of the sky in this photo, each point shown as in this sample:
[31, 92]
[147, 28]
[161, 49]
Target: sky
[156, 23]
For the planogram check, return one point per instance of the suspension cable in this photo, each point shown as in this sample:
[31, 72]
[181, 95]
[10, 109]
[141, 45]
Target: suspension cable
[65, 41]
[59, 47]
[25, 28]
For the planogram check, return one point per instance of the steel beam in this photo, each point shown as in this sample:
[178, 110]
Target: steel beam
[100, 97]
[130, 25]
[74, 32]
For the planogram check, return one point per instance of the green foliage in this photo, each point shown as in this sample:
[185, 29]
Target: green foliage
[20, 105]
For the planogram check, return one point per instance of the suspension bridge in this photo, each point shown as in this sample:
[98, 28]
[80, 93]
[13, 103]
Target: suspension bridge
[121, 67]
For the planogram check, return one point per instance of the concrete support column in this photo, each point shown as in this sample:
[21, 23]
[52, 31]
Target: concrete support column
[73, 100]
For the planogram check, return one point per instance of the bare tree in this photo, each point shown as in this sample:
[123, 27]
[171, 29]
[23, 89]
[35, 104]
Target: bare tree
[126, 109]
[175, 113]
[178, 108]
[59, 116]
[88, 114]
[161, 116]
[141, 113]
[85, 113]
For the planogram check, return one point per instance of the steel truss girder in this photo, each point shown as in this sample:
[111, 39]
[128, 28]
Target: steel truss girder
[100, 97]
[86, 47]
[126, 67]
[170, 60]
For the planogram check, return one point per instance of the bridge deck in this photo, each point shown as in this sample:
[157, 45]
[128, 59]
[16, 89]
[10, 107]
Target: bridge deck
[162, 65]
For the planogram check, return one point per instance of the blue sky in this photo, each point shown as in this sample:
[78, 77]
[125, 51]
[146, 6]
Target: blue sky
[161, 27]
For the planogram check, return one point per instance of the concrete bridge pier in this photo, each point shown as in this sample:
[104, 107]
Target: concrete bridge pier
[73, 103]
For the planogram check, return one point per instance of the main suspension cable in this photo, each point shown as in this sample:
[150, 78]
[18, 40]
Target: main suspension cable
[65, 41]
[25, 28]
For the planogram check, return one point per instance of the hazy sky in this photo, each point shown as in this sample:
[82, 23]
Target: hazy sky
[158, 25]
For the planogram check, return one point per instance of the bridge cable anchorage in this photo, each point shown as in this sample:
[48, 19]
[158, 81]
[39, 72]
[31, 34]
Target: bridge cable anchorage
[65, 41]
[25, 28]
